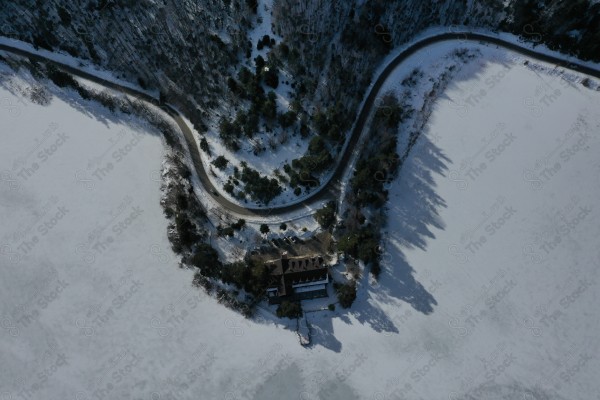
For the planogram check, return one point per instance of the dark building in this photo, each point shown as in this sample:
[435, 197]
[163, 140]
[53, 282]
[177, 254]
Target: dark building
[297, 278]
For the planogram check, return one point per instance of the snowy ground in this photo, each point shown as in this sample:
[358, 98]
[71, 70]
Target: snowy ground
[464, 307]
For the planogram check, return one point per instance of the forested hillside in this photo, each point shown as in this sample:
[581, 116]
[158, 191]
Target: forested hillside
[189, 48]
[184, 48]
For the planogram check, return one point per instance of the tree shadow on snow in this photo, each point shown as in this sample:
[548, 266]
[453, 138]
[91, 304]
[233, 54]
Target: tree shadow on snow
[412, 217]
[413, 209]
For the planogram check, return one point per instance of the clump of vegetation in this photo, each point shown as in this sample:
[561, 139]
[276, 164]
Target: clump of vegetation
[204, 146]
[229, 134]
[220, 162]
[239, 225]
[260, 188]
[554, 25]
[287, 119]
[267, 41]
[244, 275]
[187, 233]
[250, 276]
[346, 293]
[206, 259]
[332, 122]
[264, 229]
[318, 158]
[230, 230]
[289, 309]
[326, 215]
[225, 231]
[60, 78]
[249, 86]
[362, 244]
[271, 77]
[378, 164]
[40, 95]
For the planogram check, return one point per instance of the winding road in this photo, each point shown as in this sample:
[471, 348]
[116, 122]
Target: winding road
[331, 189]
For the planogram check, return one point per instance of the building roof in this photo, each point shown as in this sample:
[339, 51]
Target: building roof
[287, 271]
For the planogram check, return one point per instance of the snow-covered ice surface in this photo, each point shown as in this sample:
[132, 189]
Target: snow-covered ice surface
[513, 316]
[493, 233]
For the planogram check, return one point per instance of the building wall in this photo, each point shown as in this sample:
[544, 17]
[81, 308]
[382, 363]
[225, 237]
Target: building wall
[311, 295]
[300, 296]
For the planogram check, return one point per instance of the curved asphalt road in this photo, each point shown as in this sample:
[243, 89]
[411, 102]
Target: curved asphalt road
[330, 190]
